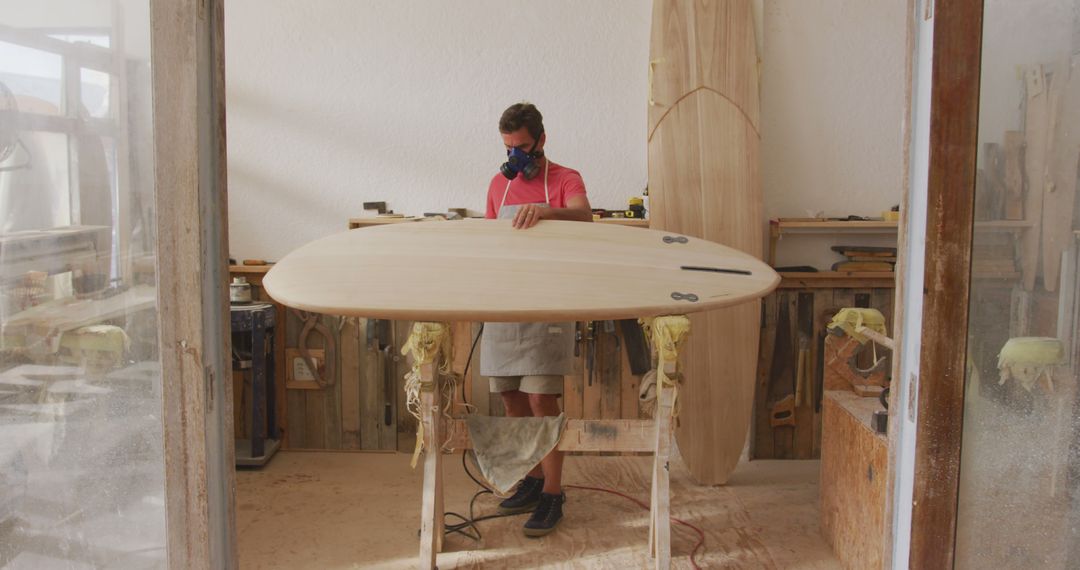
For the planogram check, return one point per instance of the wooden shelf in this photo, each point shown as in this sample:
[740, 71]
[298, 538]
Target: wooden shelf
[837, 279]
[632, 222]
[365, 222]
[780, 226]
[803, 226]
[249, 268]
[809, 225]
[1003, 226]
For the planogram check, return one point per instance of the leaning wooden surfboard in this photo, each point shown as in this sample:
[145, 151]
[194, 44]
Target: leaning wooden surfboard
[704, 182]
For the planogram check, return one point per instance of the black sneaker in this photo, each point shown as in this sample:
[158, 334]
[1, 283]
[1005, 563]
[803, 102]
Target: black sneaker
[525, 498]
[546, 516]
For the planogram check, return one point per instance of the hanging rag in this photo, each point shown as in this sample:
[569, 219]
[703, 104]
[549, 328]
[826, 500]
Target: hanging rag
[507, 449]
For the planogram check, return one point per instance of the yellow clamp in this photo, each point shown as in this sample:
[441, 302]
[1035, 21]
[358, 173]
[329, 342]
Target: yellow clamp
[426, 342]
[666, 335]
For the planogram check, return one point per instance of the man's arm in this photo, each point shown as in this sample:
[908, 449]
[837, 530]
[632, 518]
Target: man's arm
[577, 210]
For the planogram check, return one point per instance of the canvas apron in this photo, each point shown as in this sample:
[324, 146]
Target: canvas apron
[526, 349]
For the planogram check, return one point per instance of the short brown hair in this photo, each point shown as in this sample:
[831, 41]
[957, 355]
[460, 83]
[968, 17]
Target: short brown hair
[522, 114]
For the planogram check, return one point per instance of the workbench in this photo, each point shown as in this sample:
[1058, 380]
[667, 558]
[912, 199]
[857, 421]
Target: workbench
[373, 221]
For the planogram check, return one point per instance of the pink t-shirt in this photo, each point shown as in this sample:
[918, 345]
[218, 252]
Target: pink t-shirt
[563, 183]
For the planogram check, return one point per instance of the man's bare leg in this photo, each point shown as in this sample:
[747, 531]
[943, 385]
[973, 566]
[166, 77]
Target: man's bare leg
[517, 405]
[551, 465]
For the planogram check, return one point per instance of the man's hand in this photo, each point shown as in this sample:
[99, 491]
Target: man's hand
[577, 210]
[529, 214]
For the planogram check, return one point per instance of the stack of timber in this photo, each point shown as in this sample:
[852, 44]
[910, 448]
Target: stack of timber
[865, 258]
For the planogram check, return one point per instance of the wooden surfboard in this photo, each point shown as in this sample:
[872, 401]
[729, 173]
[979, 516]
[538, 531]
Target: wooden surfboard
[485, 270]
[704, 182]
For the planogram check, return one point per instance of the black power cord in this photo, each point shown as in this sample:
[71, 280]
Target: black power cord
[470, 521]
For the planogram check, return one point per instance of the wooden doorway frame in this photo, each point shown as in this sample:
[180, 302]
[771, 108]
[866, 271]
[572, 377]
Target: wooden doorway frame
[933, 381]
[187, 55]
[950, 218]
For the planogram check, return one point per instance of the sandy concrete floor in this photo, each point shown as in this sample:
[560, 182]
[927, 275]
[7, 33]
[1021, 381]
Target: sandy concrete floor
[362, 510]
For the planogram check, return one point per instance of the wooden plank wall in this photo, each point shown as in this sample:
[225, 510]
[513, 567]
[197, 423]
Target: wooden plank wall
[351, 413]
[777, 372]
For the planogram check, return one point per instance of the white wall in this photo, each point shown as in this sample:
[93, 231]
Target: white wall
[333, 103]
[1016, 35]
[832, 115]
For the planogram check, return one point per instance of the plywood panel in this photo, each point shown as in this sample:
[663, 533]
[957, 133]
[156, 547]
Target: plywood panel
[853, 480]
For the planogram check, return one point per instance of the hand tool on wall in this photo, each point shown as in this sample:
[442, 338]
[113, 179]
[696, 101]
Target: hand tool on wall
[805, 331]
[590, 349]
[781, 378]
[637, 348]
[783, 412]
[311, 322]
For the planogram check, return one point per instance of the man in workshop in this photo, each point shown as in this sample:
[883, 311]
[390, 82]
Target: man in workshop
[527, 361]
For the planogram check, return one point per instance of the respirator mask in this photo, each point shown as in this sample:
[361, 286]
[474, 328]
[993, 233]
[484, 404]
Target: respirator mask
[518, 160]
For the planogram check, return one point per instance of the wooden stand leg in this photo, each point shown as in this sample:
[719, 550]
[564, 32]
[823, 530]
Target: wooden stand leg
[431, 517]
[660, 507]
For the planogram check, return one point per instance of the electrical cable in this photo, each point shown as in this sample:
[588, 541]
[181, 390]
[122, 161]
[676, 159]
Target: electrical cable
[700, 533]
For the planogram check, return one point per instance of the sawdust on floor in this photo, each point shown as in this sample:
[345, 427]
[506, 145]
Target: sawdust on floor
[361, 510]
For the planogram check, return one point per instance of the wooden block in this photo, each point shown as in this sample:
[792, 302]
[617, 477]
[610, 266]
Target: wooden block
[854, 476]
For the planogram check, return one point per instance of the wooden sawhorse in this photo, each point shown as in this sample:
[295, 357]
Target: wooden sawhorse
[588, 436]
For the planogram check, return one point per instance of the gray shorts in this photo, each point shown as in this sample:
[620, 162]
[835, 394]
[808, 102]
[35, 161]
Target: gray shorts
[541, 384]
